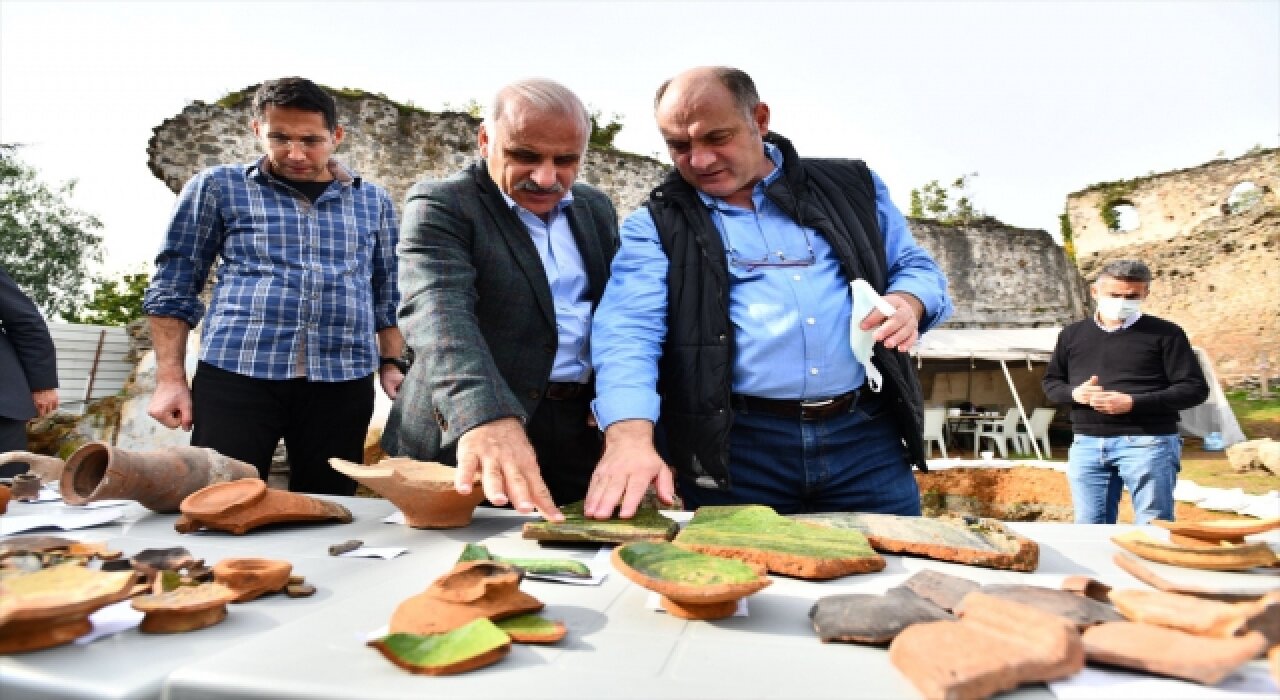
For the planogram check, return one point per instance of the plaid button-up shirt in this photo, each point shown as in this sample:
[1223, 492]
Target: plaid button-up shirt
[302, 287]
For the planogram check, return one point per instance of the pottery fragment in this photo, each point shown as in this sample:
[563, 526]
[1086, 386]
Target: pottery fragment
[46, 468]
[647, 524]
[1225, 557]
[943, 590]
[1170, 652]
[1082, 612]
[570, 568]
[243, 505]
[469, 591]
[532, 629]
[423, 491]
[473, 645]
[251, 577]
[871, 619]
[963, 539]
[51, 606]
[183, 609]
[693, 585]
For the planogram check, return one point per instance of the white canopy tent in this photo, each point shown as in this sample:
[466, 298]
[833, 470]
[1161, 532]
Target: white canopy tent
[1035, 345]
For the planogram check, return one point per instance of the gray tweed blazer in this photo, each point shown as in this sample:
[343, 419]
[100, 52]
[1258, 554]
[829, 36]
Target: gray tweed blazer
[477, 307]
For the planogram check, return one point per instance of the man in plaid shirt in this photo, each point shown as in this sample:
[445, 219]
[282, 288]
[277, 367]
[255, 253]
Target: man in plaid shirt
[307, 280]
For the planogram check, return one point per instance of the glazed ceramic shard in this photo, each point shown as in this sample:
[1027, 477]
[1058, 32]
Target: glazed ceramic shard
[184, 608]
[759, 535]
[1207, 618]
[240, 506]
[571, 568]
[47, 469]
[469, 591]
[1170, 652]
[943, 590]
[1218, 585]
[1226, 557]
[648, 524]
[51, 606]
[532, 629]
[871, 619]
[963, 539]
[996, 645]
[475, 644]
[251, 577]
[159, 479]
[1081, 611]
[423, 491]
[693, 585]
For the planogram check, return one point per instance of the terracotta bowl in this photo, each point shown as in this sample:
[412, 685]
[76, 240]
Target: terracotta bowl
[49, 607]
[693, 586]
[249, 578]
[423, 491]
[184, 608]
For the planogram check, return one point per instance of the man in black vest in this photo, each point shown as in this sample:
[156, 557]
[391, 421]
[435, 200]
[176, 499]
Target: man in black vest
[730, 312]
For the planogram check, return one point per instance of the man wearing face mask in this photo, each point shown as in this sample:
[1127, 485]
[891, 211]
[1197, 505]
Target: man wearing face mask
[1126, 376]
[502, 266]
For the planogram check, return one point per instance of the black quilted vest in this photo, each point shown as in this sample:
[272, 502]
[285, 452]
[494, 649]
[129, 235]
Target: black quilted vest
[833, 197]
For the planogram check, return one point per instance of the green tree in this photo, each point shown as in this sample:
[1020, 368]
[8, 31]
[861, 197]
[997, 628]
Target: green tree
[46, 245]
[603, 136]
[115, 302]
[933, 201]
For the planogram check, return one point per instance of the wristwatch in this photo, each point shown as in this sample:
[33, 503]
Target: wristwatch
[399, 363]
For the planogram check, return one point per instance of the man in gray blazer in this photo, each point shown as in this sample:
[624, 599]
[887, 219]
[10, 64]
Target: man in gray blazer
[501, 268]
[28, 368]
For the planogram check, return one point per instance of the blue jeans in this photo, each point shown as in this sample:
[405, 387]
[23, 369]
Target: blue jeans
[852, 462]
[1099, 469]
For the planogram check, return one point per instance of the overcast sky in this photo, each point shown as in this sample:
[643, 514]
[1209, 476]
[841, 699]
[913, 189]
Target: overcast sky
[1040, 98]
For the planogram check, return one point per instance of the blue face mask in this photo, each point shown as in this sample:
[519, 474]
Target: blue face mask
[1118, 309]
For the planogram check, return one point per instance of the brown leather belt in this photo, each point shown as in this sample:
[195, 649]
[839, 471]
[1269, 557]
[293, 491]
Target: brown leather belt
[566, 391]
[804, 410]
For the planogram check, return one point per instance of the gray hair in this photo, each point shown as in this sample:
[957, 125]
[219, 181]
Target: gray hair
[543, 96]
[736, 81]
[1127, 270]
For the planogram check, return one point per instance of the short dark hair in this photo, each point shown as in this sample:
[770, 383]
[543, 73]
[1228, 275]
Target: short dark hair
[1127, 270]
[298, 93]
[736, 81]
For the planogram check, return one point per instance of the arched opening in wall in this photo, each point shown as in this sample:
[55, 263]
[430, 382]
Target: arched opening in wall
[1243, 197]
[1122, 217]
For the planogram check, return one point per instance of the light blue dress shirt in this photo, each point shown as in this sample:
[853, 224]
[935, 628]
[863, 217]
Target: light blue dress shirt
[567, 276]
[791, 324]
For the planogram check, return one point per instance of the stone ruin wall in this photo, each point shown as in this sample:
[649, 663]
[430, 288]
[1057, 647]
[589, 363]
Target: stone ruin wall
[389, 144]
[1216, 270]
[1170, 204]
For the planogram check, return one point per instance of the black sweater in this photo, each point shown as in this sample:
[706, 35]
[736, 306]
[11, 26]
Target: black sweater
[1151, 360]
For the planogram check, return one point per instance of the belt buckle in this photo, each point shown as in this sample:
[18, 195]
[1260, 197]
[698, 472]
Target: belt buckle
[818, 404]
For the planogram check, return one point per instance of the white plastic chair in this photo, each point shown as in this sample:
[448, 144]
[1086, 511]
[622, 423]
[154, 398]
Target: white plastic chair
[1040, 420]
[935, 419]
[1002, 433]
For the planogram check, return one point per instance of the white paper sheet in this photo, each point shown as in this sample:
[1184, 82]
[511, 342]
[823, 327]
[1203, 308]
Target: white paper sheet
[1249, 683]
[396, 518]
[654, 602]
[376, 552]
[114, 618]
[65, 519]
[599, 566]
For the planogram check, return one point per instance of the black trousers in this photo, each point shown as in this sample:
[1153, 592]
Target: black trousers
[566, 446]
[245, 418]
[13, 438]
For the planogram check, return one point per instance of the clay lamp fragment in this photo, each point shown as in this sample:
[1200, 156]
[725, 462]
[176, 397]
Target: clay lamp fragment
[943, 590]
[532, 629]
[1225, 557]
[1170, 652]
[240, 506]
[647, 524]
[470, 590]
[1215, 532]
[759, 535]
[693, 586]
[26, 488]
[473, 645]
[43, 466]
[963, 539]
[996, 645]
[184, 608]
[159, 480]
[1081, 611]
[1225, 586]
[250, 577]
[1206, 618]
[570, 568]
[49, 607]
[423, 491]
[871, 619]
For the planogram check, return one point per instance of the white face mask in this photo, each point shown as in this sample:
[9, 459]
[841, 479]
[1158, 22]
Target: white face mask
[1118, 309]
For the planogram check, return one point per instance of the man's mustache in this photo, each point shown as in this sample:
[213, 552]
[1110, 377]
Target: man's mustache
[531, 186]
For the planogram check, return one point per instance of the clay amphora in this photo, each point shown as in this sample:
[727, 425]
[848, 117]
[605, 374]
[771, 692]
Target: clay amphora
[423, 491]
[46, 467]
[158, 479]
[242, 505]
[249, 578]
